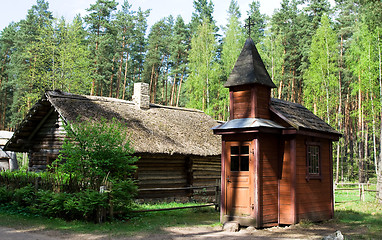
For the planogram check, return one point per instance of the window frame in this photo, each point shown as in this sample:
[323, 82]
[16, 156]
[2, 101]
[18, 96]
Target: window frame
[308, 162]
[239, 155]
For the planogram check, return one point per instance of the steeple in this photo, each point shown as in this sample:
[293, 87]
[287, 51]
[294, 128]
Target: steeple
[249, 68]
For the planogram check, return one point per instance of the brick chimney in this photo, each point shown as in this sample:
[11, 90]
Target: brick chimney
[141, 96]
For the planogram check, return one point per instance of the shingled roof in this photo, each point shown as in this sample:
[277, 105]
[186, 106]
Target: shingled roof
[299, 117]
[249, 68]
[159, 129]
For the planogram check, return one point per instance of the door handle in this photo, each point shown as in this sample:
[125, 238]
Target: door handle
[228, 179]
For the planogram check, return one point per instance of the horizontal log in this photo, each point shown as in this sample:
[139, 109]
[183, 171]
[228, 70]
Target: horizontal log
[172, 189]
[174, 208]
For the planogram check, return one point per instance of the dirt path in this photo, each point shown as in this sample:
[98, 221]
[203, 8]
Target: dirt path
[317, 231]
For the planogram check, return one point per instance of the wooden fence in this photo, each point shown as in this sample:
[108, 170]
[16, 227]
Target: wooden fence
[359, 189]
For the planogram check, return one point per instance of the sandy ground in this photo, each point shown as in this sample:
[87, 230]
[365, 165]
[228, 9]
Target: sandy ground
[317, 231]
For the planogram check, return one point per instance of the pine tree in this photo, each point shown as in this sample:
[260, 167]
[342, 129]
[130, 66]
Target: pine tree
[202, 10]
[258, 20]
[102, 34]
[233, 40]
[178, 57]
[26, 63]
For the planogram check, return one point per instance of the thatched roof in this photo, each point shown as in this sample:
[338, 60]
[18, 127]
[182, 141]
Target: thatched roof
[159, 129]
[249, 68]
[299, 117]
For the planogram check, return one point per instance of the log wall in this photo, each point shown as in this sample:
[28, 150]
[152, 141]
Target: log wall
[46, 143]
[177, 171]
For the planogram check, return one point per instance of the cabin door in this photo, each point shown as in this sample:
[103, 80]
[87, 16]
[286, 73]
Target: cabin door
[239, 185]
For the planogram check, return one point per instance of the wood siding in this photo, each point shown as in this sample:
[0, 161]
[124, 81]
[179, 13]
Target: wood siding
[269, 181]
[285, 188]
[47, 142]
[242, 104]
[250, 101]
[262, 95]
[314, 195]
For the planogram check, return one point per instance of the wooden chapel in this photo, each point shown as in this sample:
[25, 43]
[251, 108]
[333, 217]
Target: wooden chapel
[276, 166]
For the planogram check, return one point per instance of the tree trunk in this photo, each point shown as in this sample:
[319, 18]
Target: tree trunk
[125, 79]
[179, 90]
[339, 114]
[360, 132]
[111, 79]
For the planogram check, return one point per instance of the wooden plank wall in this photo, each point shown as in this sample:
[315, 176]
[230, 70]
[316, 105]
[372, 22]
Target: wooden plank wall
[262, 95]
[269, 180]
[47, 143]
[286, 211]
[313, 196]
[250, 101]
[242, 104]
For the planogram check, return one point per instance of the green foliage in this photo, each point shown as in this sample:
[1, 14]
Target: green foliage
[123, 195]
[321, 79]
[95, 152]
[204, 88]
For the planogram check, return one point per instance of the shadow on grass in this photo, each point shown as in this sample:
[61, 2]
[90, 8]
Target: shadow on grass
[138, 223]
[367, 225]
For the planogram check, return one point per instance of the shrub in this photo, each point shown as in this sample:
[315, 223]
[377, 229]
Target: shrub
[96, 151]
[24, 196]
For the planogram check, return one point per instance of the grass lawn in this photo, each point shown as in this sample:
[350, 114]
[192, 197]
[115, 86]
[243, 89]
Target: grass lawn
[149, 222]
[348, 215]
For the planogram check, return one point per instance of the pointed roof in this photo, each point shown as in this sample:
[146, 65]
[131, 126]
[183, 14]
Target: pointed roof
[249, 68]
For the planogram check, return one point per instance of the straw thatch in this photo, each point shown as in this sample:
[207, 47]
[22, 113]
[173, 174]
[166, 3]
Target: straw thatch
[159, 129]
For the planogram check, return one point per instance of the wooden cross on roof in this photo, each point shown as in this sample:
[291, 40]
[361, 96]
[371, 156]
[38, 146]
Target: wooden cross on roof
[248, 26]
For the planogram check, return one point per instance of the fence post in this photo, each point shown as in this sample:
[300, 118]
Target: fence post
[363, 193]
[334, 192]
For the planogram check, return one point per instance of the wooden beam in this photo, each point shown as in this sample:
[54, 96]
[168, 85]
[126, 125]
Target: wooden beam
[40, 124]
[257, 182]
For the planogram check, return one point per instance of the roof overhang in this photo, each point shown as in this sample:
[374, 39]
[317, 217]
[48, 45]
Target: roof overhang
[247, 125]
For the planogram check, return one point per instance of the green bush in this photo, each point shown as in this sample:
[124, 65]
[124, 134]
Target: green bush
[5, 195]
[95, 152]
[84, 205]
[122, 195]
[24, 197]
[50, 204]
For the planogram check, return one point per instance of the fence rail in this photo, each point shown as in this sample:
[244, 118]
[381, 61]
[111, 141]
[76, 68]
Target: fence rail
[361, 189]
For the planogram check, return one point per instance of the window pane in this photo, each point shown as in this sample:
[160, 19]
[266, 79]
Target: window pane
[244, 163]
[235, 150]
[234, 163]
[244, 150]
[314, 159]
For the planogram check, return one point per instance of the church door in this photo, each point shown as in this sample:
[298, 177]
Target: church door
[239, 185]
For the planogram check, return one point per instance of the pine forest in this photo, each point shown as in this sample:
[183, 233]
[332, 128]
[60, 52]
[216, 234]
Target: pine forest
[325, 57]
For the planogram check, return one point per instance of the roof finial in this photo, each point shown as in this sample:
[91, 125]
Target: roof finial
[249, 26]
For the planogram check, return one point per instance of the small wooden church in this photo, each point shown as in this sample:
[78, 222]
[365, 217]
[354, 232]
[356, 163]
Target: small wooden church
[276, 163]
[176, 146]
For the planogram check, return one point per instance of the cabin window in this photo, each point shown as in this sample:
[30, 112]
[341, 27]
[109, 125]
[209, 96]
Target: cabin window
[313, 160]
[240, 158]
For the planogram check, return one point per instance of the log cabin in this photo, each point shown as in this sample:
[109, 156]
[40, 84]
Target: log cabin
[176, 146]
[276, 155]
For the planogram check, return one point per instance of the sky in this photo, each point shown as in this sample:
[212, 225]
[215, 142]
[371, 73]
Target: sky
[15, 10]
